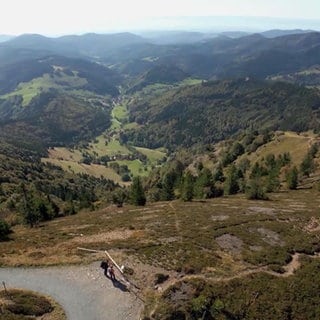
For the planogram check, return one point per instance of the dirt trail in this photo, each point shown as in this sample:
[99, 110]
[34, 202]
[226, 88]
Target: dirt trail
[83, 291]
[290, 269]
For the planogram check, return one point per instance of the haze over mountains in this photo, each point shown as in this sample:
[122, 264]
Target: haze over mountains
[225, 54]
[139, 91]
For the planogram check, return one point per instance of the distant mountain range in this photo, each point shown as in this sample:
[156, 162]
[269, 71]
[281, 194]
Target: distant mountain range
[197, 54]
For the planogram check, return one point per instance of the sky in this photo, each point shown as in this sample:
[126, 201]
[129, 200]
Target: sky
[56, 17]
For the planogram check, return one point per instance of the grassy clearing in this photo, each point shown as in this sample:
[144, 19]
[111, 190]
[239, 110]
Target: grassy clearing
[297, 145]
[102, 147]
[95, 170]
[190, 82]
[19, 305]
[153, 155]
[120, 112]
[29, 90]
[65, 154]
[157, 89]
[71, 159]
[115, 125]
[136, 167]
[131, 125]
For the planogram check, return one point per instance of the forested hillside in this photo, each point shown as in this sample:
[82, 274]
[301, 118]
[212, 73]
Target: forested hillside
[214, 111]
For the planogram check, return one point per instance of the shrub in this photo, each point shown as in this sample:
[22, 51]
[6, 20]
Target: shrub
[4, 229]
[161, 278]
[255, 191]
[28, 304]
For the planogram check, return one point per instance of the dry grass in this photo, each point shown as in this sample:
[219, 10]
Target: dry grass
[95, 170]
[177, 236]
[296, 144]
[65, 154]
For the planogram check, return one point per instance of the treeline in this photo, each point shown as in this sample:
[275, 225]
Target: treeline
[233, 173]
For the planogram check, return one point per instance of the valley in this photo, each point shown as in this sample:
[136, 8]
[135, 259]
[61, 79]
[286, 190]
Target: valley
[194, 160]
[105, 156]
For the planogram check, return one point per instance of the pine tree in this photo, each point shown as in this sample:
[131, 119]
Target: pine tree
[168, 182]
[292, 178]
[231, 185]
[204, 186]
[30, 215]
[137, 194]
[218, 174]
[273, 182]
[307, 165]
[118, 197]
[187, 187]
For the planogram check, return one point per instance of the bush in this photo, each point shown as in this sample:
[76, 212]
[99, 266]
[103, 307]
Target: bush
[255, 191]
[29, 304]
[4, 229]
[161, 278]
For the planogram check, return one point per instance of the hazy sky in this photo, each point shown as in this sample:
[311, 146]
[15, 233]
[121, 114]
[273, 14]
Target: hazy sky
[78, 16]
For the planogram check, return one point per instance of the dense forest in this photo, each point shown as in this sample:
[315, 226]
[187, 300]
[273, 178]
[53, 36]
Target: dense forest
[214, 111]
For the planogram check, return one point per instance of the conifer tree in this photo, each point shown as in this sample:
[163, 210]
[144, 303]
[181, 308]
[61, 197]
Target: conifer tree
[204, 186]
[218, 174]
[168, 182]
[307, 165]
[273, 182]
[231, 185]
[187, 187]
[292, 178]
[137, 194]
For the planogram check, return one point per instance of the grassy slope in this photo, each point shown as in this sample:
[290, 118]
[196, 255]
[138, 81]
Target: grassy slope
[177, 235]
[296, 144]
[153, 155]
[29, 90]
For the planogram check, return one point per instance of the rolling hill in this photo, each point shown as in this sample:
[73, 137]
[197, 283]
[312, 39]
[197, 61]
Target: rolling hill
[164, 74]
[218, 57]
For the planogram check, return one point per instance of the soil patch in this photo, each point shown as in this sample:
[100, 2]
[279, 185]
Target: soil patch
[219, 218]
[109, 236]
[270, 237]
[230, 243]
[261, 210]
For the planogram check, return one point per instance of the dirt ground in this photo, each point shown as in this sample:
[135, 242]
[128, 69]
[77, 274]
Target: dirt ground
[83, 291]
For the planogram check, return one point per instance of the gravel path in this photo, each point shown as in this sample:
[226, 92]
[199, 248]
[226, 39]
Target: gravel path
[83, 291]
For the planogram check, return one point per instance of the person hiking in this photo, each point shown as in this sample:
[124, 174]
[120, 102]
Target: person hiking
[111, 273]
[105, 265]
